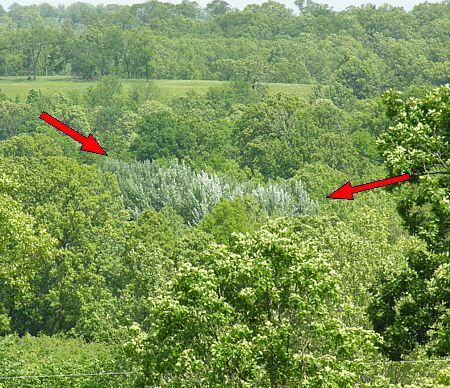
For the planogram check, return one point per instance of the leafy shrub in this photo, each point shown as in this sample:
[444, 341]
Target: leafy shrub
[31, 357]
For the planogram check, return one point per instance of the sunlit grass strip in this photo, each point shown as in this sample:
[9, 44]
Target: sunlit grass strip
[20, 86]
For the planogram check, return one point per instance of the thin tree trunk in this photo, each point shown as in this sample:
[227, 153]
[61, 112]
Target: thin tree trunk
[36, 61]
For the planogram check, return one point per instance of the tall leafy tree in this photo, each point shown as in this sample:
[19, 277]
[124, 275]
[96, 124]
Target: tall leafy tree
[267, 138]
[32, 43]
[264, 313]
[412, 307]
[24, 251]
[419, 143]
[217, 8]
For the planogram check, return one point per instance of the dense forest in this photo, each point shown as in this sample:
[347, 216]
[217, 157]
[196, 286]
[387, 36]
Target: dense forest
[203, 250]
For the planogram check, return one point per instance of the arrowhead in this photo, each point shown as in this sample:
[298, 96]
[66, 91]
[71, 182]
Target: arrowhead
[344, 192]
[91, 145]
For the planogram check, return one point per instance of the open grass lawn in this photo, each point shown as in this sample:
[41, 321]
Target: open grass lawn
[20, 86]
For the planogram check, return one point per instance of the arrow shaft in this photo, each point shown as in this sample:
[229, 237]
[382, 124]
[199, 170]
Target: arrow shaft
[63, 127]
[380, 183]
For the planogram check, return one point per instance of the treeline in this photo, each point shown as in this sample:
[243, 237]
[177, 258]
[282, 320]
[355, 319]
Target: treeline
[363, 50]
[233, 130]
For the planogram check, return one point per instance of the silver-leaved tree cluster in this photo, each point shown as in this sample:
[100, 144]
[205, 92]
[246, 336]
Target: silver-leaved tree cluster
[194, 194]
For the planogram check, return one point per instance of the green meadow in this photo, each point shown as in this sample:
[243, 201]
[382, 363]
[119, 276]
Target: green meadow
[20, 86]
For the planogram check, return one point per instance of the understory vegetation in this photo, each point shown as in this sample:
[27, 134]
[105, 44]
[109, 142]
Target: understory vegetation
[203, 250]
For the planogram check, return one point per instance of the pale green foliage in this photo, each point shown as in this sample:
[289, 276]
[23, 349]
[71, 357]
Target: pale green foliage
[369, 242]
[419, 144]
[268, 312]
[410, 307]
[23, 253]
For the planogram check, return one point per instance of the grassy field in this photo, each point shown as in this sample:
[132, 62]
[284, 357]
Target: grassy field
[20, 86]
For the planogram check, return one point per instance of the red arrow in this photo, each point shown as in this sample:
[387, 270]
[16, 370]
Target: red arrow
[347, 191]
[88, 144]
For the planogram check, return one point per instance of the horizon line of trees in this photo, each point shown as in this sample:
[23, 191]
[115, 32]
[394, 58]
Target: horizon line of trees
[365, 49]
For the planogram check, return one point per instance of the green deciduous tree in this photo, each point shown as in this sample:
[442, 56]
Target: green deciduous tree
[159, 135]
[267, 138]
[24, 251]
[81, 217]
[411, 307]
[217, 8]
[362, 76]
[419, 143]
[30, 357]
[104, 93]
[264, 313]
[232, 216]
[15, 118]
